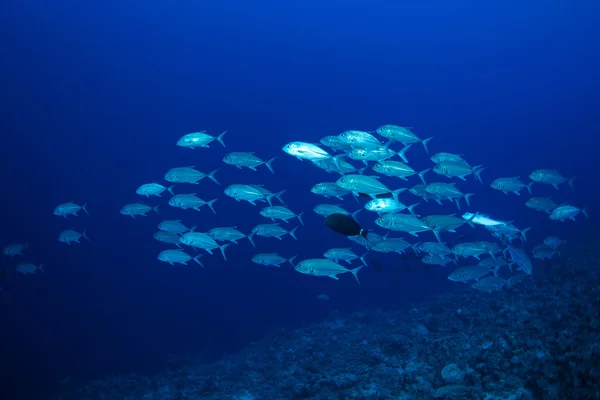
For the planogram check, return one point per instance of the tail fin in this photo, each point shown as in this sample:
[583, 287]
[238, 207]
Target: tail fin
[402, 153]
[477, 172]
[223, 247]
[268, 164]
[220, 138]
[355, 273]
[571, 183]
[293, 233]
[210, 205]
[424, 143]
[299, 216]
[84, 234]
[422, 175]
[213, 178]
[84, 208]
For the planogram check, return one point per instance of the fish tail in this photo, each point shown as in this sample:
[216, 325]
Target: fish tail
[411, 208]
[415, 248]
[293, 233]
[354, 215]
[84, 208]
[364, 233]
[467, 197]
[457, 201]
[84, 234]
[477, 172]
[402, 153]
[523, 232]
[223, 247]
[278, 195]
[571, 183]
[424, 143]
[299, 216]
[268, 164]
[529, 187]
[156, 209]
[362, 259]
[422, 175]
[355, 273]
[213, 178]
[291, 261]
[197, 261]
[585, 212]
[41, 267]
[250, 236]
[210, 205]
[170, 189]
[220, 138]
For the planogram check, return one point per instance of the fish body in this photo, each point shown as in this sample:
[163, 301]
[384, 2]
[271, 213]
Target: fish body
[202, 241]
[280, 212]
[272, 230]
[325, 267]
[481, 219]
[390, 245]
[402, 223]
[306, 151]
[228, 234]
[398, 169]
[178, 257]
[190, 200]
[440, 223]
[345, 225]
[564, 212]
[326, 210]
[377, 154]
[137, 209]
[174, 226]
[189, 175]
[550, 177]
[388, 206]
[470, 273]
[251, 193]
[402, 134]
[167, 237]
[554, 242]
[521, 258]
[271, 259]
[544, 204]
[365, 184]
[199, 139]
[14, 249]
[69, 236]
[442, 156]
[344, 254]
[420, 190]
[335, 143]
[543, 252]
[69, 208]
[29, 268]
[433, 248]
[359, 139]
[453, 169]
[469, 249]
[489, 284]
[340, 166]
[152, 189]
[329, 189]
[508, 232]
[507, 185]
[443, 191]
[247, 160]
[432, 259]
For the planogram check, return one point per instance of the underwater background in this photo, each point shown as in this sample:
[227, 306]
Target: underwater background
[95, 96]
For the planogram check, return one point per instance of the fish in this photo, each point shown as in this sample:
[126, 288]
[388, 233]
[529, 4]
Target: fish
[199, 139]
[335, 143]
[388, 206]
[190, 200]
[189, 175]
[402, 223]
[325, 267]
[252, 193]
[326, 210]
[452, 169]
[513, 185]
[344, 254]
[70, 208]
[541, 204]
[329, 189]
[469, 249]
[247, 160]
[359, 139]
[29, 268]
[564, 212]
[402, 134]
[203, 241]
[521, 258]
[366, 184]
[433, 248]
[391, 245]
[178, 257]
[398, 169]
[441, 223]
[482, 219]
[550, 177]
[470, 273]
[309, 151]
[345, 225]
[380, 153]
[69, 236]
[449, 191]
[433, 259]
[489, 284]
[167, 237]
[282, 213]
[272, 230]
[272, 259]
[134, 209]
[228, 234]
[442, 156]
[14, 249]
[153, 189]
[340, 166]
[554, 242]
[174, 226]
[543, 252]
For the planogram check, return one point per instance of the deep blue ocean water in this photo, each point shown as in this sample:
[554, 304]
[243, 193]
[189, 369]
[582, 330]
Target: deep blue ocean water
[95, 95]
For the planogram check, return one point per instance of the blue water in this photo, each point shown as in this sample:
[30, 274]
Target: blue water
[95, 95]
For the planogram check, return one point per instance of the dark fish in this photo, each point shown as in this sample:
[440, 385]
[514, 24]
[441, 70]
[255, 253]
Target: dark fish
[379, 196]
[345, 225]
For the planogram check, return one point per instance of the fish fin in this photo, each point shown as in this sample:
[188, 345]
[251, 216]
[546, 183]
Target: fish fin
[402, 153]
[268, 164]
[293, 233]
[422, 175]
[355, 273]
[571, 183]
[291, 260]
[299, 216]
[84, 208]
[220, 138]
[84, 234]
[212, 177]
[210, 205]
[425, 142]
